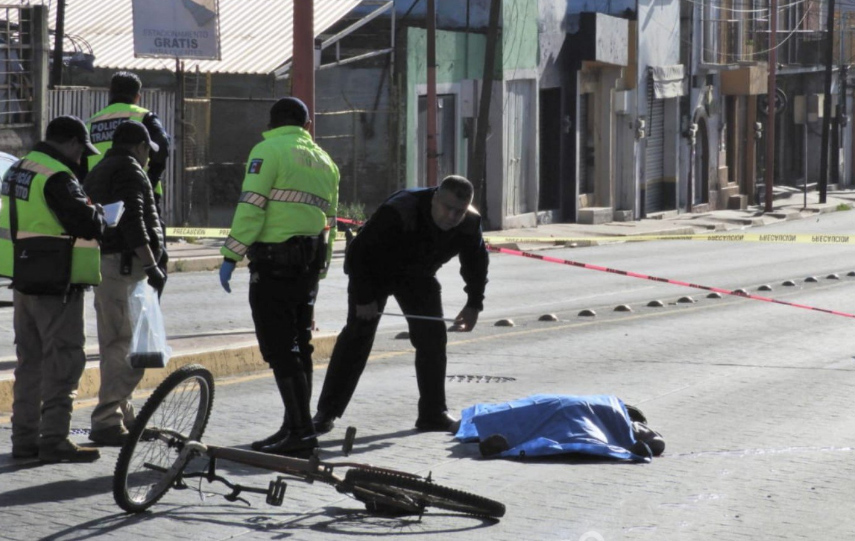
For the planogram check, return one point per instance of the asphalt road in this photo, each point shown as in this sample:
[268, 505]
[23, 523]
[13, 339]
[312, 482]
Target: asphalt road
[753, 399]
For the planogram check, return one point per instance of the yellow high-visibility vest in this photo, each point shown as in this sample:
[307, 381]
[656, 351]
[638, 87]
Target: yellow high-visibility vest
[35, 218]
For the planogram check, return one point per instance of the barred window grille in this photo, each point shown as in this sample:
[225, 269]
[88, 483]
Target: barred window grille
[16, 64]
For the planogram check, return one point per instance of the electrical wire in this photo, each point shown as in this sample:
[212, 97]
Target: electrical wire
[780, 43]
[711, 5]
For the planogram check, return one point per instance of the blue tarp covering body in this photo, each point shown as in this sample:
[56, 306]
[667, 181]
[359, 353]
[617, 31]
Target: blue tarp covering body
[550, 424]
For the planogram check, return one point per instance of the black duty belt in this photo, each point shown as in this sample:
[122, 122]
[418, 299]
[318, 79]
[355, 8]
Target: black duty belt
[296, 251]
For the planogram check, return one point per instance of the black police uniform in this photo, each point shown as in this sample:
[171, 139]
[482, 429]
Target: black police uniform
[398, 252]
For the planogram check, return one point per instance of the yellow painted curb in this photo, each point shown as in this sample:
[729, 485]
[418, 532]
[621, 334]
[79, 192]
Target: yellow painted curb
[222, 363]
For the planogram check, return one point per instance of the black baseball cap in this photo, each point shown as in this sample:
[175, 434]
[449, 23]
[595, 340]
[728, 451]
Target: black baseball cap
[63, 128]
[289, 111]
[131, 132]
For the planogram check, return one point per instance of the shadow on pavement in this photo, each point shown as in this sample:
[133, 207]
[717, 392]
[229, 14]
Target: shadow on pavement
[58, 491]
[366, 444]
[107, 524]
[332, 520]
[353, 522]
[470, 450]
[16, 465]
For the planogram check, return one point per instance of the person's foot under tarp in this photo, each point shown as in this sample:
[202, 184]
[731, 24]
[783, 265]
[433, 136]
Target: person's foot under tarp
[550, 424]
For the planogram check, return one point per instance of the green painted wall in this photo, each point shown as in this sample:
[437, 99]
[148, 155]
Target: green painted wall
[519, 34]
[457, 60]
[453, 66]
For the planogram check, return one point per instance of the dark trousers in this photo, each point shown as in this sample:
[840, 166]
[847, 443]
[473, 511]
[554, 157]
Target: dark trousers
[282, 300]
[416, 296]
[49, 340]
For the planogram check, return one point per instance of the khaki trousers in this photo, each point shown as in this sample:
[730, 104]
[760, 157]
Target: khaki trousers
[49, 339]
[118, 379]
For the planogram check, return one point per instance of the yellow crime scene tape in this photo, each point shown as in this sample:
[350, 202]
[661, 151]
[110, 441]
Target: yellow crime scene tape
[197, 232]
[782, 238]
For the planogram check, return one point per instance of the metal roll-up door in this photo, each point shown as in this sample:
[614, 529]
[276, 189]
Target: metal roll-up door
[654, 153]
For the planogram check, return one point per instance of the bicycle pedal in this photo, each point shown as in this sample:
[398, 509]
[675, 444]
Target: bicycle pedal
[276, 491]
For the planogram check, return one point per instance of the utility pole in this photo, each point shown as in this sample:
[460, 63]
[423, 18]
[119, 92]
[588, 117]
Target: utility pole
[56, 69]
[431, 94]
[303, 56]
[770, 108]
[477, 169]
[842, 112]
[826, 105]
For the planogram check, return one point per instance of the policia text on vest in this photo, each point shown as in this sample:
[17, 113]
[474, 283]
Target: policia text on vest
[34, 220]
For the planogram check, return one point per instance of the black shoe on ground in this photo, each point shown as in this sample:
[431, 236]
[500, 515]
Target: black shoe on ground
[437, 422]
[112, 436]
[297, 444]
[276, 437]
[323, 423]
[22, 450]
[653, 439]
[67, 451]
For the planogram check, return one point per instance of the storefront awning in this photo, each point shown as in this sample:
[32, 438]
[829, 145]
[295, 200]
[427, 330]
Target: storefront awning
[667, 81]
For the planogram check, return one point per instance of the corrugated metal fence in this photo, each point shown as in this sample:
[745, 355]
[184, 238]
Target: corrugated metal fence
[84, 102]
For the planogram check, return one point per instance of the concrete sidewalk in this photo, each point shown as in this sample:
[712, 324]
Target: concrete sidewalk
[789, 204]
[232, 353]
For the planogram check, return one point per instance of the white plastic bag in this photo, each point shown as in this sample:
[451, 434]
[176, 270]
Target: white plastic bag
[148, 342]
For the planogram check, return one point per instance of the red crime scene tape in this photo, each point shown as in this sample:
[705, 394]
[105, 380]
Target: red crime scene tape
[665, 280]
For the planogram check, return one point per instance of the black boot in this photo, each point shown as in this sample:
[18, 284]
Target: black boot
[301, 440]
[283, 431]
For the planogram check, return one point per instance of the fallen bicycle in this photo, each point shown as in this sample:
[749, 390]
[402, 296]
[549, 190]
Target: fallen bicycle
[167, 436]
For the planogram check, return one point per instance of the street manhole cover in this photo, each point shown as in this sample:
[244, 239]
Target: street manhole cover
[480, 379]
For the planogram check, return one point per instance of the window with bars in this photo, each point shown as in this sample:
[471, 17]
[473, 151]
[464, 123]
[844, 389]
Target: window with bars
[737, 31]
[16, 65]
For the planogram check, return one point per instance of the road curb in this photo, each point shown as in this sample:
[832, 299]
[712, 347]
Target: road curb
[198, 264]
[224, 362]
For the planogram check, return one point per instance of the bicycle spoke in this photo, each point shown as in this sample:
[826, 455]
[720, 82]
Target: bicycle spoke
[151, 460]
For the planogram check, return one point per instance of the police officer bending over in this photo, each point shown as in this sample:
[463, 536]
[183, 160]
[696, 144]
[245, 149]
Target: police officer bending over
[286, 209]
[398, 252]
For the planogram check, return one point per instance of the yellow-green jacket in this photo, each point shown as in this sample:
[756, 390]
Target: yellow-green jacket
[102, 125]
[36, 218]
[290, 189]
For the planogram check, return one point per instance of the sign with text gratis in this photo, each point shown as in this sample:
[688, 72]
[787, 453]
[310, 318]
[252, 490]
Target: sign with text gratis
[177, 29]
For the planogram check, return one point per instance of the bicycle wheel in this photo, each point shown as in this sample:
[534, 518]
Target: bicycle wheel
[406, 492]
[150, 460]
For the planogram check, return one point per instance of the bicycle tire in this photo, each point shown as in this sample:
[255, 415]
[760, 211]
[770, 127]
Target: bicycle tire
[418, 491]
[150, 460]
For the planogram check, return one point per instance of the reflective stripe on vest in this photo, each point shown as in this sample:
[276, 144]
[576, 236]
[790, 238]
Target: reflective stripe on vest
[236, 246]
[289, 186]
[36, 219]
[296, 196]
[103, 123]
[253, 199]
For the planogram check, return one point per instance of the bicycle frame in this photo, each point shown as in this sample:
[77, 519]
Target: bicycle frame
[309, 470]
[168, 433]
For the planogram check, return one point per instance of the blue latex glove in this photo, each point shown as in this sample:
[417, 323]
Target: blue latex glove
[226, 270]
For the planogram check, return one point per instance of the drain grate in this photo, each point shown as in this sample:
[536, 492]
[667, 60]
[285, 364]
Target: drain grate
[480, 379]
[79, 431]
